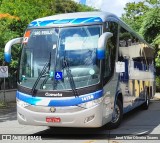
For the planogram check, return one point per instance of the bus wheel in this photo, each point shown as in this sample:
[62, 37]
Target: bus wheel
[147, 100]
[117, 115]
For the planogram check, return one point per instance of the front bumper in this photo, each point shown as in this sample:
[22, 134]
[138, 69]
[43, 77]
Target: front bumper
[73, 119]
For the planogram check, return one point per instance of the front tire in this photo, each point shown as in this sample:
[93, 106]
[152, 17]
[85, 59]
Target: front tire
[147, 101]
[117, 115]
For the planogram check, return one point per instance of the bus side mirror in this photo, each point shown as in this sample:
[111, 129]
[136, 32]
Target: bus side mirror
[102, 42]
[7, 49]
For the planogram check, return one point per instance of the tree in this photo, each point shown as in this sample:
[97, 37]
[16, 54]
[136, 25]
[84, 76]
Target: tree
[7, 32]
[134, 14]
[144, 18]
[153, 3]
[6, 20]
[150, 27]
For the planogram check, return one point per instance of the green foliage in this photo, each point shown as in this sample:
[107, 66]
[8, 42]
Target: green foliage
[157, 40]
[28, 10]
[7, 33]
[158, 81]
[134, 14]
[157, 59]
[25, 10]
[125, 35]
[153, 3]
[150, 28]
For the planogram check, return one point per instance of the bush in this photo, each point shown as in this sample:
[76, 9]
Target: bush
[157, 83]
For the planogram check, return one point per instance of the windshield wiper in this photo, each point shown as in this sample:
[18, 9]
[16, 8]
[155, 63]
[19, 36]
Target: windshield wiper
[70, 76]
[47, 75]
[42, 73]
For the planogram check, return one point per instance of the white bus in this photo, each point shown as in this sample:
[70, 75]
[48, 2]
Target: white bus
[81, 69]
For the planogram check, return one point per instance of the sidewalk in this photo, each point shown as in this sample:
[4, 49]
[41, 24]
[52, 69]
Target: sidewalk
[157, 95]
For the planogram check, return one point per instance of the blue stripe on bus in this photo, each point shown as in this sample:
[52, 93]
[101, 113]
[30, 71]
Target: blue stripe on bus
[7, 57]
[65, 21]
[28, 98]
[100, 54]
[66, 101]
[47, 22]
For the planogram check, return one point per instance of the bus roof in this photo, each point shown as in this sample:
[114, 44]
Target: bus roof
[73, 19]
[81, 18]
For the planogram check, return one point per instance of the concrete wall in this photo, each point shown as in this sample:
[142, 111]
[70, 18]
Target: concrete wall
[10, 95]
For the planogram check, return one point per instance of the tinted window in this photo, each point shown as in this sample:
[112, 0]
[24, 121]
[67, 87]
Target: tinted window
[111, 49]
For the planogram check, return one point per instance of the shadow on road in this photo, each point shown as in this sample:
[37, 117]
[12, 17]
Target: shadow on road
[8, 114]
[74, 133]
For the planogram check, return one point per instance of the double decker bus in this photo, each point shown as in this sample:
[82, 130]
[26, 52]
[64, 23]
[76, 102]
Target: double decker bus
[82, 69]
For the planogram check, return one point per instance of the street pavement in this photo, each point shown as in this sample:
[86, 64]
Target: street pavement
[137, 122]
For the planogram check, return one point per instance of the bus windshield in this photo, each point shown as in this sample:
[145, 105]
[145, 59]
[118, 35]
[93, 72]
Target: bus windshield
[71, 52]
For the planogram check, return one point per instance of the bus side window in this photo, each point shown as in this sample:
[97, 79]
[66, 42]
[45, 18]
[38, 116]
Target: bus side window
[111, 49]
[125, 41]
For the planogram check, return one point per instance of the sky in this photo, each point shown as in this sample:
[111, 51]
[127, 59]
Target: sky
[113, 6]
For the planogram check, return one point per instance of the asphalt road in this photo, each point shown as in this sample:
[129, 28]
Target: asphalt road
[137, 123]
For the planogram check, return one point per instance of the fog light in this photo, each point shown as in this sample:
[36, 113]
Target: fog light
[89, 119]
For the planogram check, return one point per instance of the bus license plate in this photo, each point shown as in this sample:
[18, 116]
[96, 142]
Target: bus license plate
[53, 119]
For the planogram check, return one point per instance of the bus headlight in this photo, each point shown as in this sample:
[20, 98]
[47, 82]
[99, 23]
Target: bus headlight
[91, 103]
[22, 103]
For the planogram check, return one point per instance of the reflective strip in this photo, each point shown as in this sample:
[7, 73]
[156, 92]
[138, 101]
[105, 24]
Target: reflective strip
[63, 101]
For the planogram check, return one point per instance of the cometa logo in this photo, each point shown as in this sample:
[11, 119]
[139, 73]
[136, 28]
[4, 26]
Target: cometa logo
[53, 94]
